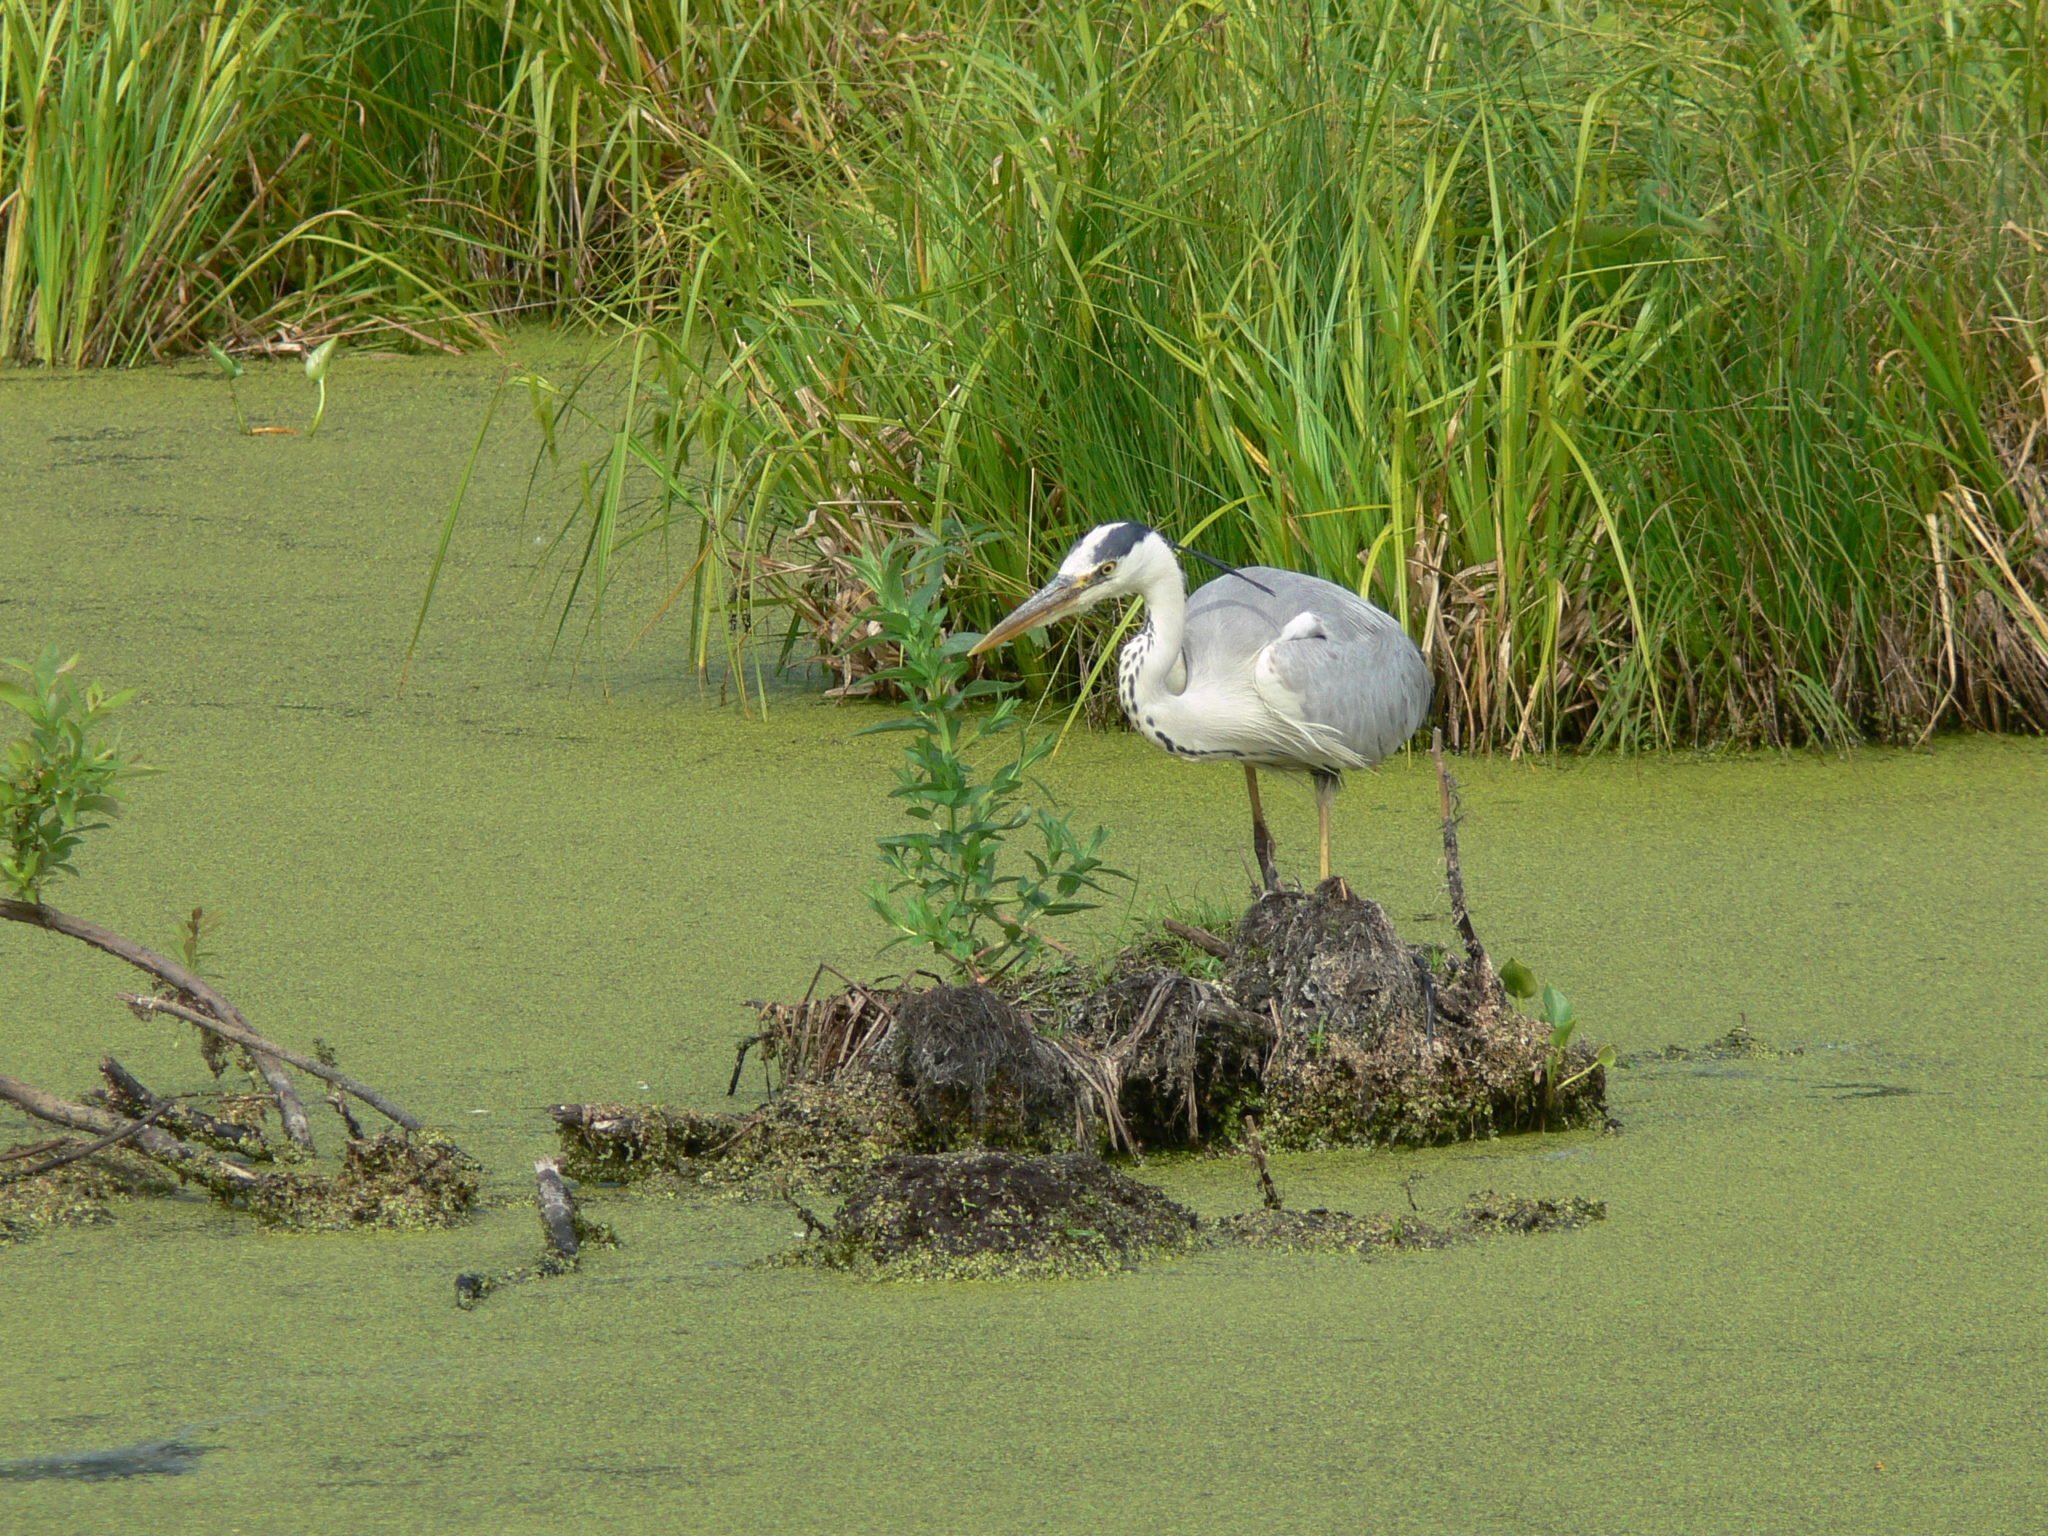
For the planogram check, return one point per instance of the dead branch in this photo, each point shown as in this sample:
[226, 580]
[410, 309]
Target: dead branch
[126, 1094]
[79, 1153]
[1201, 938]
[1454, 878]
[239, 1033]
[557, 1210]
[216, 1173]
[289, 1107]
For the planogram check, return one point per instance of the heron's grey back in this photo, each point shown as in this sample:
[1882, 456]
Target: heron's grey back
[1361, 680]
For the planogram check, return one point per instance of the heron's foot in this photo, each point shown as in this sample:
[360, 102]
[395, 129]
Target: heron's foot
[1262, 849]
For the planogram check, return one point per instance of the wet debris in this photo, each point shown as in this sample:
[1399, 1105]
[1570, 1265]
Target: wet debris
[1739, 1044]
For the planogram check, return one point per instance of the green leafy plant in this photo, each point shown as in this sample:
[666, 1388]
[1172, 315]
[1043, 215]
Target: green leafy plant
[62, 779]
[232, 370]
[946, 889]
[1552, 1007]
[317, 362]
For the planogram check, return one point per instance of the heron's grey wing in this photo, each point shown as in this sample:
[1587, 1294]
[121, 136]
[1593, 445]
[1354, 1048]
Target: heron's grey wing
[1341, 672]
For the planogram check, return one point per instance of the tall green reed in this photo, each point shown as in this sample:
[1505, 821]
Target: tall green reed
[1665, 369]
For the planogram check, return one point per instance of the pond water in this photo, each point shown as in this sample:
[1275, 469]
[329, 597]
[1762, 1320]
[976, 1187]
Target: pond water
[1817, 1303]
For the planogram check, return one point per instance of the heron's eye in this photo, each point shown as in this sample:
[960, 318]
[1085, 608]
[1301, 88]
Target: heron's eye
[1107, 568]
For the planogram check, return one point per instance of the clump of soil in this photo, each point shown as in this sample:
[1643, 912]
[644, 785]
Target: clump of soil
[988, 1215]
[407, 1182]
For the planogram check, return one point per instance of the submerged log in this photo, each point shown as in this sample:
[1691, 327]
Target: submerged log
[557, 1209]
[216, 1173]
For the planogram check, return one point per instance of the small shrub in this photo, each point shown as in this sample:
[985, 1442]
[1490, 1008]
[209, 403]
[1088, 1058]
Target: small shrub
[62, 780]
[946, 889]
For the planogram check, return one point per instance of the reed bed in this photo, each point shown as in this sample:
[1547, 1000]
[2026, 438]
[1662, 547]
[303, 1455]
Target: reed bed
[1676, 371]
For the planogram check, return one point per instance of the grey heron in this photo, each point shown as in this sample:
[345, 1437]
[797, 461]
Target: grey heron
[1263, 667]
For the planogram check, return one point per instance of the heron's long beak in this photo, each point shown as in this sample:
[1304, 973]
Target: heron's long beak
[1056, 598]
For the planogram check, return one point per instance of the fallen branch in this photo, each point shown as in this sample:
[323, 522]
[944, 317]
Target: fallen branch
[79, 1153]
[267, 1058]
[557, 1210]
[127, 1094]
[240, 1034]
[1201, 938]
[216, 1173]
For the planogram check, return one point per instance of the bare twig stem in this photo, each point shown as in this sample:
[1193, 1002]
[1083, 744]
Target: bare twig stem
[240, 1034]
[1454, 878]
[216, 1173]
[289, 1107]
[1255, 1144]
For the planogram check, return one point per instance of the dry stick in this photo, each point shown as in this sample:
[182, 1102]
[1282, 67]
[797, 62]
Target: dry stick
[557, 1210]
[1447, 789]
[289, 1108]
[242, 1035]
[1201, 938]
[216, 1173]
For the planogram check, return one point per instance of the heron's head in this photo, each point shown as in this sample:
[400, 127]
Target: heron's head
[1114, 560]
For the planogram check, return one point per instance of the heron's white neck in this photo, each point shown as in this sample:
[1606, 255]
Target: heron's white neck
[1146, 666]
[1166, 603]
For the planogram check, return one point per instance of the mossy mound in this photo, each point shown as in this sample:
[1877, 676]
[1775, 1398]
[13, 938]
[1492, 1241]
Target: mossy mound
[1320, 1019]
[992, 1215]
[79, 1194]
[405, 1182]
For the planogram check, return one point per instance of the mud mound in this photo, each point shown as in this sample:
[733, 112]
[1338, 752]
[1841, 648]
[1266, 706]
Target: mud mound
[988, 1215]
[977, 1072]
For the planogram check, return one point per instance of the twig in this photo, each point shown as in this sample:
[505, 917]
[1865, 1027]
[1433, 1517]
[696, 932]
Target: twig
[1454, 878]
[1201, 938]
[557, 1210]
[216, 1173]
[1268, 1190]
[289, 1107]
[242, 1035]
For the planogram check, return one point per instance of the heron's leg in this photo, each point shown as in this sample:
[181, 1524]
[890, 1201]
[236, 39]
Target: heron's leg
[1262, 840]
[1326, 795]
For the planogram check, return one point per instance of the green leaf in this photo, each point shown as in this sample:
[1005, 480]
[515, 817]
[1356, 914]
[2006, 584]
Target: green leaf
[1557, 1008]
[1518, 979]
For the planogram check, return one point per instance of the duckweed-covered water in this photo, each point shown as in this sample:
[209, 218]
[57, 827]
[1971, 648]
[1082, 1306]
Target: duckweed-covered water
[1817, 1304]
